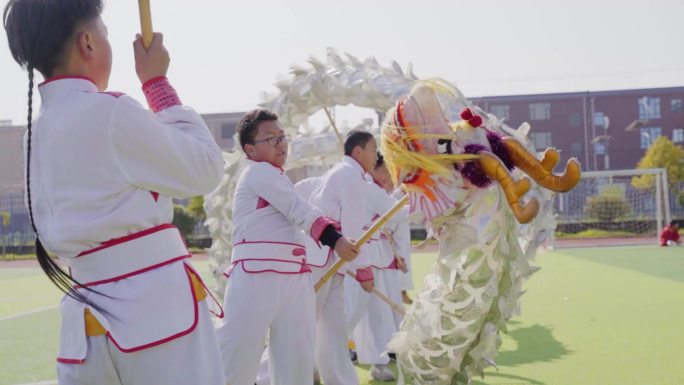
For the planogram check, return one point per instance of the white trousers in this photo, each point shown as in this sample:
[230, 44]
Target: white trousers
[280, 305]
[332, 354]
[378, 322]
[192, 359]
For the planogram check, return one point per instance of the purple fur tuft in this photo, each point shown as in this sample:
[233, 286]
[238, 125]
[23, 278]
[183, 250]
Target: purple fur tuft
[499, 149]
[474, 148]
[472, 171]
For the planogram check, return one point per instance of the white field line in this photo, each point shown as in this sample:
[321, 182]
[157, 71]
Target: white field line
[52, 382]
[27, 313]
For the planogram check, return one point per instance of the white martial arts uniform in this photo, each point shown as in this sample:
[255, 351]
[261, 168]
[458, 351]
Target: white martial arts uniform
[377, 321]
[103, 173]
[339, 195]
[270, 284]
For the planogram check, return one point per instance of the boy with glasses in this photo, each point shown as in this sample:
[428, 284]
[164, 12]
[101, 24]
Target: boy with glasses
[270, 288]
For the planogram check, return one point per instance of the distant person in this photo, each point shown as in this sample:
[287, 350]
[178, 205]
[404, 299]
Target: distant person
[670, 235]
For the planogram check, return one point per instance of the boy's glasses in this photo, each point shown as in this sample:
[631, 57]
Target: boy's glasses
[274, 140]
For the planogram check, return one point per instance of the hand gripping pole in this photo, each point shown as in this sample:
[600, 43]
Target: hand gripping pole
[364, 238]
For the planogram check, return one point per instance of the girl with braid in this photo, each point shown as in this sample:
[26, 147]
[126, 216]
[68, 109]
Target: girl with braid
[101, 172]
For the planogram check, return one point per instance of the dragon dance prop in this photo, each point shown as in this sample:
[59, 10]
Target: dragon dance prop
[465, 174]
[450, 159]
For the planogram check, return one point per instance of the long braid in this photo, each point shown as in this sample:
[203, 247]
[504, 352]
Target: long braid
[29, 121]
[59, 277]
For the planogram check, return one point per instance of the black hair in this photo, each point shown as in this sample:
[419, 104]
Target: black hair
[249, 123]
[673, 223]
[380, 161]
[38, 32]
[356, 138]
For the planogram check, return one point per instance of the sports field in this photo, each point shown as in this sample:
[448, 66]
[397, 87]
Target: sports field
[591, 316]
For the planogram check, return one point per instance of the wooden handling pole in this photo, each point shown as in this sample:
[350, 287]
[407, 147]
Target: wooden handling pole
[395, 306]
[146, 22]
[334, 126]
[364, 238]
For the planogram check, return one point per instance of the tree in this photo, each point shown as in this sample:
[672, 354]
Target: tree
[184, 220]
[196, 206]
[662, 154]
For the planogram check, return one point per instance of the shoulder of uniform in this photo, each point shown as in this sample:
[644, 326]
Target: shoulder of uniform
[265, 167]
[114, 94]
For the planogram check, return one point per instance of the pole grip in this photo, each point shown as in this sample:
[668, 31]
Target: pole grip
[364, 238]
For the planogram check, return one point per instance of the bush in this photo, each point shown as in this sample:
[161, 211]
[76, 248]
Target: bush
[597, 233]
[607, 207]
[184, 220]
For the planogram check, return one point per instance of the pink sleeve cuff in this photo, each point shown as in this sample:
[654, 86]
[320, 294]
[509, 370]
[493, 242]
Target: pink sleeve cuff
[319, 226]
[160, 94]
[363, 275]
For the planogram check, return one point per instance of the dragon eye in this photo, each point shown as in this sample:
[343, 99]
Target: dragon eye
[444, 146]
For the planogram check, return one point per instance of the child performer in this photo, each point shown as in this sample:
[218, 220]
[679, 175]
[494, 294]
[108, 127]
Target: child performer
[396, 241]
[101, 172]
[270, 284]
[378, 322]
[339, 196]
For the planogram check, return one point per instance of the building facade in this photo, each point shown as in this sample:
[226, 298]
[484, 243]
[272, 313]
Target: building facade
[606, 130]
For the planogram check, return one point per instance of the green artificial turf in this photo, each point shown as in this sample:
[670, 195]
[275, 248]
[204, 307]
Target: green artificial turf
[591, 316]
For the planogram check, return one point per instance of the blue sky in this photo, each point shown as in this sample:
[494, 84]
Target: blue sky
[225, 53]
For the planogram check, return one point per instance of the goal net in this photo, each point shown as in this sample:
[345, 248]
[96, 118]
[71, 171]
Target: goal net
[619, 205]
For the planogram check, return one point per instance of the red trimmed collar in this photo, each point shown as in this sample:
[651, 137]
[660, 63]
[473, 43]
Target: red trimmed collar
[62, 77]
[263, 161]
[351, 161]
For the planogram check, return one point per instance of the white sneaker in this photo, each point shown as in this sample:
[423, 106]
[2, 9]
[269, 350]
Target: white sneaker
[382, 373]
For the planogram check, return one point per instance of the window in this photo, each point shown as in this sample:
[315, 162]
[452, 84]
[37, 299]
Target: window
[576, 150]
[501, 111]
[649, 108]
[676, 105]
[601, 120]
[678, 135]
[540, 111]
[541, 140]
[576, 120]
[648, 136]
[227, 130]
[600, 148]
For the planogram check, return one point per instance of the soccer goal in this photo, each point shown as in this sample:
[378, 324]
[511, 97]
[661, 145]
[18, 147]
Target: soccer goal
[628, 206]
